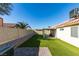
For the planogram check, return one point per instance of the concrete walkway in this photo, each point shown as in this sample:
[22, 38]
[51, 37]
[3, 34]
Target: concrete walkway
[32, 51]
[44, 51]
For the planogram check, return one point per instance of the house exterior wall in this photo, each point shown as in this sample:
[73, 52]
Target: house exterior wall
[65, 35]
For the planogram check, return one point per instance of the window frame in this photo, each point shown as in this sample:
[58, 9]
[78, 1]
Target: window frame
[74, 31]
[61, 29]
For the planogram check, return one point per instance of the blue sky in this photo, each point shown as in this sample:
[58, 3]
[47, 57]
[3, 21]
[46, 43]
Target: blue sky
[40, 15]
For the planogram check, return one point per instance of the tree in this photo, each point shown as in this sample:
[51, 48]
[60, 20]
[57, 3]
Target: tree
[22, 25]
[5, 8]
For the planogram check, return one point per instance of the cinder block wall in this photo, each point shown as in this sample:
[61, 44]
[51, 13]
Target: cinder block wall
[9, 34]
[13, 37]
[47, 32]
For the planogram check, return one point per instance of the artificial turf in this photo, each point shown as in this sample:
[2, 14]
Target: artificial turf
[56, 46]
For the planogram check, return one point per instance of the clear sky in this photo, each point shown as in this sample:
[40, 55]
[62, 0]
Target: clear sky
[39, 15]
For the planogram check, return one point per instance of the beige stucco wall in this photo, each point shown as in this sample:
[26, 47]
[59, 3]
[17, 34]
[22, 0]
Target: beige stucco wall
[12, 38]
[9, 34]
[47, 32]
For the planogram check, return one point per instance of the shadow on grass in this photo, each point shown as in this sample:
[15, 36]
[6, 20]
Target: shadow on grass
[32, 42]
[32, 45]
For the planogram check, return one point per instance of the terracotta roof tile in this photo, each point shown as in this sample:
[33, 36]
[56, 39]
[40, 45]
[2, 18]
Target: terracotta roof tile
[67, 23]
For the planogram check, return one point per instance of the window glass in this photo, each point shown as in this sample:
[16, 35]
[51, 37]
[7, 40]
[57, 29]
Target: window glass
[61, 29]
[74, 31]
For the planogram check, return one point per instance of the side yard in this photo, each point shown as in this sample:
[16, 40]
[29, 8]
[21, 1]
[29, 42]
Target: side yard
[56, 46]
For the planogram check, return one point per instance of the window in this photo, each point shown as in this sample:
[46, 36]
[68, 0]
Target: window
[74, 31]
[61, 29]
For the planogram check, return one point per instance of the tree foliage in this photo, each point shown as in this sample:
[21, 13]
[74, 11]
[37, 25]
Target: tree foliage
[22, 25]
[5, 8]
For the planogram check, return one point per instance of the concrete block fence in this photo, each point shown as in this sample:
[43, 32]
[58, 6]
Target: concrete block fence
[13, 37]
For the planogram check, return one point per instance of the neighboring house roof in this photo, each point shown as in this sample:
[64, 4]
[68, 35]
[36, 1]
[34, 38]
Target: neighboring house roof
[8, 25]
[2, 24]
[67, 23]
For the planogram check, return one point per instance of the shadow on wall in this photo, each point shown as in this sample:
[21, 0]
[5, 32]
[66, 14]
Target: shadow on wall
[14, 43]
[28, 51]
